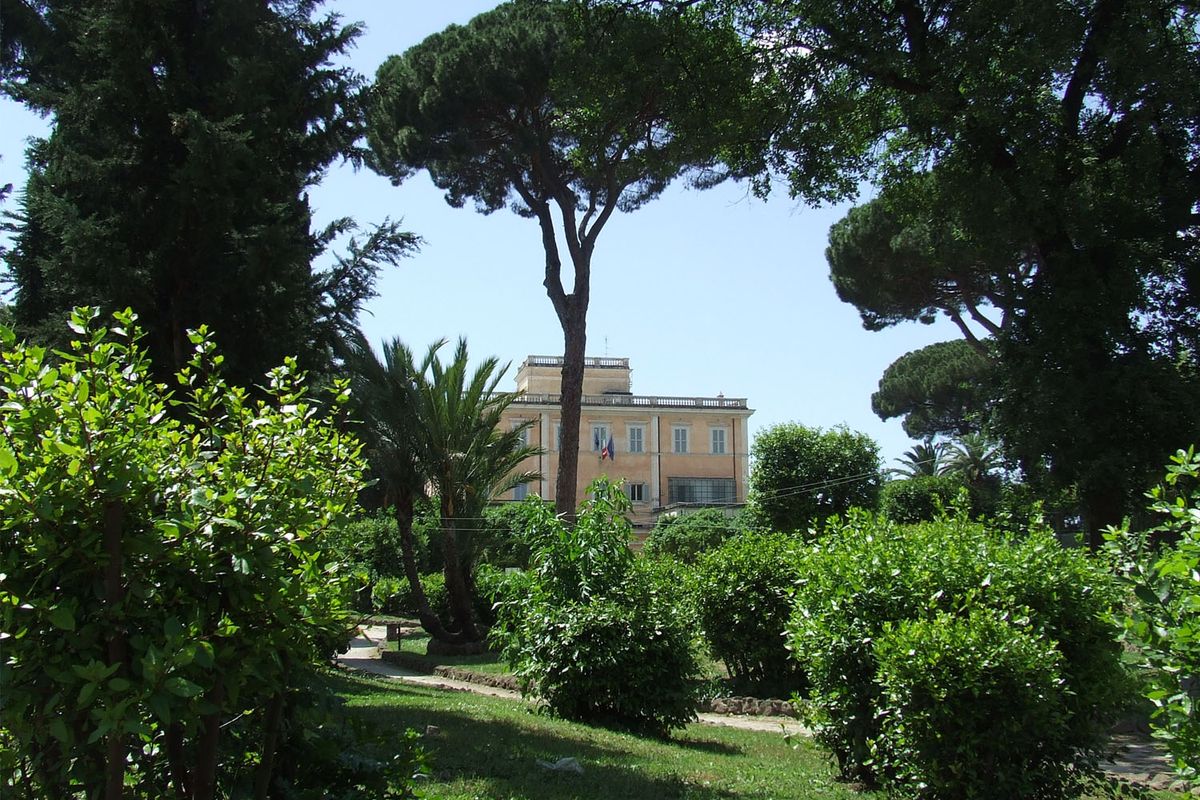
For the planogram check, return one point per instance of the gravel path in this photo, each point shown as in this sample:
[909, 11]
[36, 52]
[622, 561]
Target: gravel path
[1139, 759]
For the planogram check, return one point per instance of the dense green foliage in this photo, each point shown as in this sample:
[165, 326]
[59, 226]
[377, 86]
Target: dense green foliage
[591, 110]
[174, 180]
[742, 592]
[1036, 160]
[919, 499]
[1162, 625]
[893, 268]
[870, 582]
[974, 709]
[686, 536]
[160, 577]
[803, 475]
[941, 389]
[596, 637]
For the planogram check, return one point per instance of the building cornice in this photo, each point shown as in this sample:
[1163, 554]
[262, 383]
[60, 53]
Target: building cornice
[638, 401]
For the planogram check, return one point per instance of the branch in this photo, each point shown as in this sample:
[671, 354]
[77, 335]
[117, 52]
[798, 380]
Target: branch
[1105, 13]
[967, 333]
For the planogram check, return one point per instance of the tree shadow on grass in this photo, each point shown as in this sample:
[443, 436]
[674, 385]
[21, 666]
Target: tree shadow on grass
[705, 745]
[503, 754]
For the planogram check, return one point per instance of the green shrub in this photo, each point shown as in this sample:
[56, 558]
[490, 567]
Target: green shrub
[918, 499]
[742, 595]
[1162, 623]
[163, 565]
[685, 536]
[436, 594]
[869, 576]
[493, 586]
[392, 595]
[594, 636]
[1014, 735]
[503, 542]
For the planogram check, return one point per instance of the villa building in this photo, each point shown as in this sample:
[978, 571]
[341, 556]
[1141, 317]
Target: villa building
[670, 451]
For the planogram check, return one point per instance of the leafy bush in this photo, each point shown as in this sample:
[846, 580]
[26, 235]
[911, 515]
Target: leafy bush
[918, 499]
[434, 585]
[1015, 737]
[685, 536]
[503, 541]
[163, 573]
[742, 595]
[493, 586]
[1162, 624]
[595, 638]
[803, 475]
[869, 578]
[392, 595]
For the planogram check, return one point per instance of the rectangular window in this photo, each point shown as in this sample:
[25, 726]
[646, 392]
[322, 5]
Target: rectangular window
[637, 439]
[679, 438]
[709, 491]
[637, 492]
[558, 436]
[520, 491]
[718, 441]
[524, 434]
[599, 437]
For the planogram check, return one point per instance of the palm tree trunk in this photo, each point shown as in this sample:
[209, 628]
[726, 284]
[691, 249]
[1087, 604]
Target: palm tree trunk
[403, 513]
[456, 583]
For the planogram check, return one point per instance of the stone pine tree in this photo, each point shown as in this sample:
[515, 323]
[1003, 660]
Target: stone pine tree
[185, 136]
[566, 113]
[1061, 133]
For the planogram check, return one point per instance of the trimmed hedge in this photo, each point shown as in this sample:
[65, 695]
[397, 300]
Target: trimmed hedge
[871, 586]
[742, 595]
[686, 536]
[918, 499]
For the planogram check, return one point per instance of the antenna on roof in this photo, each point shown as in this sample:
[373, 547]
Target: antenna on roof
[606, 347]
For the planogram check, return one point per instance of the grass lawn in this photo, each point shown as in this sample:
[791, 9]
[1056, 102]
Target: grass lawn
[414, 645]
[488, 748]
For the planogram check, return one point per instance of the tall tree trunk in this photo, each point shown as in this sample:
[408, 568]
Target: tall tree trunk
[177, 760]
[574, 326]
[272, 723]
[204, 774]
[118, 649]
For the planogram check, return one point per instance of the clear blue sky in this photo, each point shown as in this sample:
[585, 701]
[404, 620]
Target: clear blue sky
[705, 292]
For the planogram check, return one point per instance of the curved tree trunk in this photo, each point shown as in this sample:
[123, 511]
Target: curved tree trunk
[456, 583]
[402, 511]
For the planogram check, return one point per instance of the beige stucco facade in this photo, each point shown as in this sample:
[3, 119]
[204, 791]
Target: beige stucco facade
[667, 450]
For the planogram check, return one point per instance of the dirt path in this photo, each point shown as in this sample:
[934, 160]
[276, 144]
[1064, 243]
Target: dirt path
[1139, 759]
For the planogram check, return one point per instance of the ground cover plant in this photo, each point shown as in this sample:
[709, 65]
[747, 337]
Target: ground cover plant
[947, 660]
[415, 648]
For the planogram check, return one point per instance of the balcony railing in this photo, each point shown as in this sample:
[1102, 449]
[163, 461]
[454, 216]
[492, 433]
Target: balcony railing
[636, 401]
[588, 363]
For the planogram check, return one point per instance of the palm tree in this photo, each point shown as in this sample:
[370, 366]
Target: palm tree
[923, 459]
[426, 426]
[974, 458]
[466, 455]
